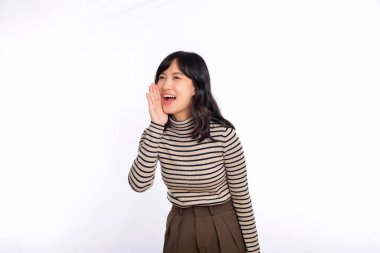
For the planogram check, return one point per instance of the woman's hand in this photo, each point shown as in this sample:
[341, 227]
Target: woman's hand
[157, 115]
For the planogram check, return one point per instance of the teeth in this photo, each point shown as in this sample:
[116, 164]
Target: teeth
[169, 96]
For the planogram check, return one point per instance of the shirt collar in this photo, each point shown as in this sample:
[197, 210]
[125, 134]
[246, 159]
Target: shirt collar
[181, 125]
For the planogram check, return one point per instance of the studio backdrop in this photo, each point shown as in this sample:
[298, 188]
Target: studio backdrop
[298, 79]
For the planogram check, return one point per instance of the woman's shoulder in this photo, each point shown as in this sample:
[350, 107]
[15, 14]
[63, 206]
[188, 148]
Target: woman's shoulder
[219, 124]
[219, 128]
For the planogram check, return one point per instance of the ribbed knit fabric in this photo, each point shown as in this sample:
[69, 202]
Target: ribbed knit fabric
[206, 173]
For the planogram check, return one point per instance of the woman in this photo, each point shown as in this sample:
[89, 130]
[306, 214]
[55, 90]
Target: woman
[202, 162]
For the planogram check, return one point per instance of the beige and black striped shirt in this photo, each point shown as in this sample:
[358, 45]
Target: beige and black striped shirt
[206, 173]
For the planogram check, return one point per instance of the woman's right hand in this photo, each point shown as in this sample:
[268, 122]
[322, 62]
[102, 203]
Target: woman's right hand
[157, 115]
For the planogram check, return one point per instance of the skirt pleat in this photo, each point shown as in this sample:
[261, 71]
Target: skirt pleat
[232, 223]
[203, 229]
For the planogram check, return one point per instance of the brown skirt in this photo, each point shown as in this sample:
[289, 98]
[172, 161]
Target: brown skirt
[203, 229]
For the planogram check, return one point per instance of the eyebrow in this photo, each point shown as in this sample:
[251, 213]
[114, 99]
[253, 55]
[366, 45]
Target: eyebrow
[173, 73]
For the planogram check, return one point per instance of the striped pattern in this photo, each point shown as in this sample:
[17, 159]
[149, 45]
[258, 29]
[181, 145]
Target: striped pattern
[205, 173]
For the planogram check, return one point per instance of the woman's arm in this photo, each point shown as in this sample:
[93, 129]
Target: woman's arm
[234, 162]
[141, 175]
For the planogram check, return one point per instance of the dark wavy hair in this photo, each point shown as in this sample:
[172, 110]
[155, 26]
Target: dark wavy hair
[204, 108]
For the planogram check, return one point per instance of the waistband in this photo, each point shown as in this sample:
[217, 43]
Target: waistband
[204, 210]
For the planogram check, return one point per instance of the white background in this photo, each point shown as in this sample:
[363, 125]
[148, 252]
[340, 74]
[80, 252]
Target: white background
[298, 79]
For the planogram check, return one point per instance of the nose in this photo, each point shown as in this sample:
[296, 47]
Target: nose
[164, 84]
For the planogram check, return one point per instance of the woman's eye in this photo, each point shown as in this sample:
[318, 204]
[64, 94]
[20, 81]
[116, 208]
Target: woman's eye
[176, 77]
[161, 77]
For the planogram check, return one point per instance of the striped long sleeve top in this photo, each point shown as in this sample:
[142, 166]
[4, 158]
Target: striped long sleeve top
[205, 173]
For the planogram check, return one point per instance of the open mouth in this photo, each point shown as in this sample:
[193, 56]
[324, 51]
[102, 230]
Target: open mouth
[169, 99]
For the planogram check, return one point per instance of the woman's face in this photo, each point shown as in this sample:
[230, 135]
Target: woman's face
[173, 82]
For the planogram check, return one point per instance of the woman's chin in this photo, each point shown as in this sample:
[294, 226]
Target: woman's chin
[167, 111]
[170, 109]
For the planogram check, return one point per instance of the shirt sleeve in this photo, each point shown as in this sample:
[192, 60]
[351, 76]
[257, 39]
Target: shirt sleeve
[235, 165]
[142, 172]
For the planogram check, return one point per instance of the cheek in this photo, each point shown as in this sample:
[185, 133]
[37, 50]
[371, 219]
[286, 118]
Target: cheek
[185, 100]
[186, 91]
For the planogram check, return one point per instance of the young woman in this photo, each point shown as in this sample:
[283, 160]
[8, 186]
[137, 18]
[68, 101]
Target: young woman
[202, 162]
